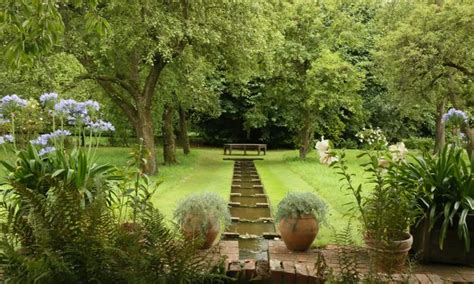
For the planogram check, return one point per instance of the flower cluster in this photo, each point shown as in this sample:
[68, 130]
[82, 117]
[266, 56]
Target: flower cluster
[100, 126]
[9, 104]
[3, 120]
[375, 138]
[398, 152]
[324, 149]
[76, 112]
[6, 138]
[43, 140]
[46, 150]
[71, 110]
[48, 97]
[13, 100]
[455, 117]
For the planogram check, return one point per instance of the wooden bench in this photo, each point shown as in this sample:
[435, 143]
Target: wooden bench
[257, 147]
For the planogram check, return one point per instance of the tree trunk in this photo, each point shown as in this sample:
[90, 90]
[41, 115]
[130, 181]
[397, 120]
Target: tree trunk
[145, 131]
[169, 147]
[140, 116]
[305, 136]
[440, 135]
[183, 131]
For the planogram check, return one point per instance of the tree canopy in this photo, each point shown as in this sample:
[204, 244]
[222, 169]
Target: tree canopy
[282, 73]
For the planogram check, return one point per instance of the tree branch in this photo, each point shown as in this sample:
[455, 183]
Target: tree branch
[103, 78]
[152, 80]
[459, 68]
[126, 107]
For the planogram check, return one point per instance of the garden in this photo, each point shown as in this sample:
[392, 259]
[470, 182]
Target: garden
[352, 124]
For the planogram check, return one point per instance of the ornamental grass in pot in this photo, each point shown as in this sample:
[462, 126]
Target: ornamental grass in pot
[201, 216]
[299, 215]
[386, 212]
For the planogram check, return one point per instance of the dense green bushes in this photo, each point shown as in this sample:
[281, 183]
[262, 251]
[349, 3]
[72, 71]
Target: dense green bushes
[424, 144]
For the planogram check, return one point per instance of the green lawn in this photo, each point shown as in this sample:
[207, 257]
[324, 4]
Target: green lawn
[280, 171]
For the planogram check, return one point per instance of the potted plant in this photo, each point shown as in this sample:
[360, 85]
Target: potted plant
[444, 185]
[386, 212]
[298, 216]
[200, 217]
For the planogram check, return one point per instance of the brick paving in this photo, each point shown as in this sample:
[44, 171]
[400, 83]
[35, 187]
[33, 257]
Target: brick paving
[312, 266]
[225, 251]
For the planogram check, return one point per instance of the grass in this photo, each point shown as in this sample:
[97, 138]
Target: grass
[280, 172]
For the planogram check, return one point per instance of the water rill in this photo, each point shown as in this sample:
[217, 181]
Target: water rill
[252, 218]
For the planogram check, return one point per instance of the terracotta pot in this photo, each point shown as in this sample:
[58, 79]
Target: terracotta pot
[389, 256]
[299, 233]
[192, 229]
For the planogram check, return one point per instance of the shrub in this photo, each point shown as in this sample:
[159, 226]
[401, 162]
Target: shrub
[203, 205]
[424, 144]
[295, 204]
[373, 138]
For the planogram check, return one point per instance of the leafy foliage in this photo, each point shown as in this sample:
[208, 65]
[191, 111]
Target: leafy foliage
[295, 204]
[445, 189]
[387, 210]
[348, 257]
[424, 144]
[60, 226]
[203, 205]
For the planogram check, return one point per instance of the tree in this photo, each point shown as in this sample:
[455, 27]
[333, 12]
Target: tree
[427, 58]
[313, 84]
[188, 85]
[125, 45]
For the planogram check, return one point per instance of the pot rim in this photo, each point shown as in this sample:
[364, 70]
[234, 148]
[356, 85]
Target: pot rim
[390, 246]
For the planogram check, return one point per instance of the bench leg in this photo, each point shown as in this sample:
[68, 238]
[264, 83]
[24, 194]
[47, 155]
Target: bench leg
[245, 150]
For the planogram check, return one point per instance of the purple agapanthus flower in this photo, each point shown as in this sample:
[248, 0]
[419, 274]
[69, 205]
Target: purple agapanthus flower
[45, 138]
[9, 138]
[6, 138]
[66, 107]
[92, 105]
[455, 116]
[48, 97]
[41, 140]
[3, 120]
[12, 101]
[46, 150]
[100, 126]
[76, 112]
